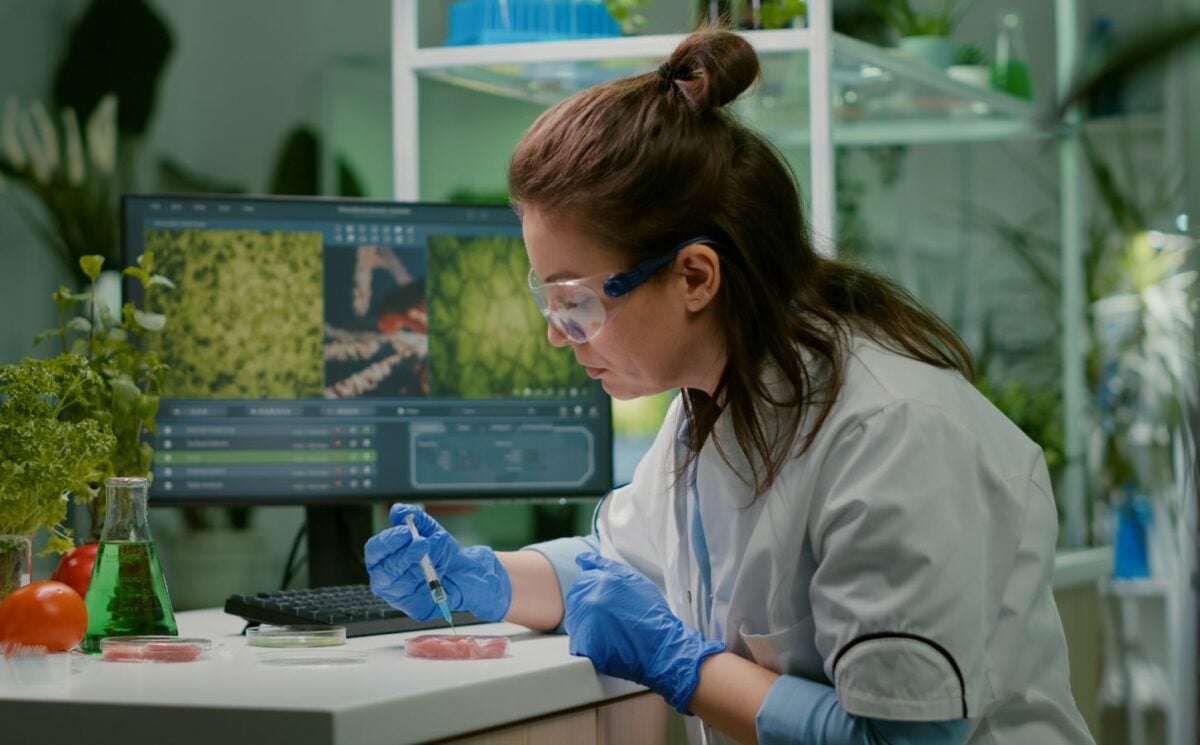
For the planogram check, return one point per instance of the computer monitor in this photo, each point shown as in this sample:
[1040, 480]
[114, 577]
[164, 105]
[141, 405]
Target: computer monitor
[329, 352]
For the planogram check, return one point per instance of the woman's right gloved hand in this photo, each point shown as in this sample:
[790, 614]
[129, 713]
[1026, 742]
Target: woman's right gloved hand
[473, 577]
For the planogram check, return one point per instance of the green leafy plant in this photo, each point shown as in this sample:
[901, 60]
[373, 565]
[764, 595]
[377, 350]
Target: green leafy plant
[627, 14]
[1036, 411]
[125, 371]
[45, 453]
[78, 153]
[779, 13]
[908, 21]
[969, 54]
[1142, 363]
[1141, 303]
[72, 173]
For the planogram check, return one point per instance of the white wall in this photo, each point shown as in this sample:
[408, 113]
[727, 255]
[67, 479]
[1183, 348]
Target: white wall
[245, 72]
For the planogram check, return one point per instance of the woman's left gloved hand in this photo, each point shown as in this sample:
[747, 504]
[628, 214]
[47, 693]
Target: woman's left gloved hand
[620, 621]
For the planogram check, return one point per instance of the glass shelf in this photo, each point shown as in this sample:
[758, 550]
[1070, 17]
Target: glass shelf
[879, 97]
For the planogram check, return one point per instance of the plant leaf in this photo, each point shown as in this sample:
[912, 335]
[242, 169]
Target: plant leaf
[1144, 50]
[80, 324]
[159, 280]
[137, 272]
[149, 321]
[91, 265]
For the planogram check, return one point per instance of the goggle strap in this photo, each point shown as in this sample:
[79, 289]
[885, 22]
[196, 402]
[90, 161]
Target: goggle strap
[626, 282]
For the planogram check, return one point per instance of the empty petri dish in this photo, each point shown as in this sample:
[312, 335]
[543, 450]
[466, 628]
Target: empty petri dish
[153, 649]
[314, 657]
[295, 636]
[37, 667]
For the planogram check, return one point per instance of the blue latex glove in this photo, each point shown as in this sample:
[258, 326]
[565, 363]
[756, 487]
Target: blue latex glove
[620, 621]
[474, 579]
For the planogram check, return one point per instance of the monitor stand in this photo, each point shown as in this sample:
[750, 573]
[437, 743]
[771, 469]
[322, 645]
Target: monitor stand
[336, 534]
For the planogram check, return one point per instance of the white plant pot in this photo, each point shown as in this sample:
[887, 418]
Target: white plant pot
[976, 75]
[108, 292]
[934, 51]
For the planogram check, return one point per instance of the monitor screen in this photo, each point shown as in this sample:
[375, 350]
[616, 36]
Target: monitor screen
[348, 351]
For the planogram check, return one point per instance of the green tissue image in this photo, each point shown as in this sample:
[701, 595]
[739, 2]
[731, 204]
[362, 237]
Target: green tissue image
[486, 336]
[246, 320]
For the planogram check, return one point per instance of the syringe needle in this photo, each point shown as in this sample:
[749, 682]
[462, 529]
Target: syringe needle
[436, 591]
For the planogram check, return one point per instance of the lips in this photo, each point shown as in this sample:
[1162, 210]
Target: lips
[594, 372]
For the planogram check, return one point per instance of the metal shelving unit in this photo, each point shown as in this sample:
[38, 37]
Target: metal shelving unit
[892, 100]
[825, 89]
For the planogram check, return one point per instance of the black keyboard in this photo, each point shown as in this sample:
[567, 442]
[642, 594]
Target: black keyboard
[353, 606]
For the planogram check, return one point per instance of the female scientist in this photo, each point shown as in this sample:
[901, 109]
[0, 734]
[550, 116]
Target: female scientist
[834, 538]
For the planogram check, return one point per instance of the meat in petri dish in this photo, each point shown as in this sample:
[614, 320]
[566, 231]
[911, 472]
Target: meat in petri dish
[460, 647]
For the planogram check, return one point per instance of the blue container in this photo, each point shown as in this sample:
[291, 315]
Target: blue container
[514, 21]
[1131, 544]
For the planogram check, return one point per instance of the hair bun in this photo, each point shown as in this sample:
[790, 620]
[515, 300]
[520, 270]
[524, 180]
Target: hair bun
[713, 67]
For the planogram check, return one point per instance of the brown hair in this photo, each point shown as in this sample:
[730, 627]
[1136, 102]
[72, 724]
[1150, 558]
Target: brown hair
[651, 160]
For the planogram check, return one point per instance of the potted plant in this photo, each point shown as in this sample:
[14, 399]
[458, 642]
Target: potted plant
[1143, 369]
[125, 373]
[970, 66]
[627, 14]
[924, 34]
[71, 170]
[77, 152]
[45, 454]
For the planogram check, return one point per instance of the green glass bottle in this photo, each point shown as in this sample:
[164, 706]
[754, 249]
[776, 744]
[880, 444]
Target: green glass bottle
[127, 595]
[1010, 66]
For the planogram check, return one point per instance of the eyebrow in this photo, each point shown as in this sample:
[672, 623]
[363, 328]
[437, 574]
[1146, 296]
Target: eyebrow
[560, 276]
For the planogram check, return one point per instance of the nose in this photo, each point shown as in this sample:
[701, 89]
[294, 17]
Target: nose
[556, 337]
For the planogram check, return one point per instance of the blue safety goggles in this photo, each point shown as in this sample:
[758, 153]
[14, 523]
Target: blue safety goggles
[577, 311]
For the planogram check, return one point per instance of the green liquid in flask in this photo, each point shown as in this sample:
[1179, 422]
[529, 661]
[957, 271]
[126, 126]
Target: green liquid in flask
[128, 595]
[1013, 78]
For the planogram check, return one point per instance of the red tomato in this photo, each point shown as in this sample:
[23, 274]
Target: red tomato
[75, 568]
[43, 614]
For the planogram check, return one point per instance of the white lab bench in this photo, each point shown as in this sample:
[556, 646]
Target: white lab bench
[538, 693]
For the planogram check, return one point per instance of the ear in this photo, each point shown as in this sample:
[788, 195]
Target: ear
[699, 268]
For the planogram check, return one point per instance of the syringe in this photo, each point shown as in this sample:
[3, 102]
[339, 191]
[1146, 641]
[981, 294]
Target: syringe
[431, 578]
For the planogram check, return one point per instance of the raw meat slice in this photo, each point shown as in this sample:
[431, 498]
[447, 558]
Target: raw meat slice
[456, 647]
[152, 652]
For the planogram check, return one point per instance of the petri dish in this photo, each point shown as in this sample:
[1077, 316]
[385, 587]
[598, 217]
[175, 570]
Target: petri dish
[153, 649]
[296, 636]
[313, 657]
[39, 668]
[456, 647]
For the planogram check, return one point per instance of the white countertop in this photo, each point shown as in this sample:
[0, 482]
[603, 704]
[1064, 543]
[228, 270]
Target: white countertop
[233, 698]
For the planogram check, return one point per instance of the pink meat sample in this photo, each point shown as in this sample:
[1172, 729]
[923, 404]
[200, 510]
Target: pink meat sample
[456, 647]
[152, 652]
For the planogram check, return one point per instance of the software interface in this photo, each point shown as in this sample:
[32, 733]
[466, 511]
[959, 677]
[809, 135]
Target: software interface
[336, 348]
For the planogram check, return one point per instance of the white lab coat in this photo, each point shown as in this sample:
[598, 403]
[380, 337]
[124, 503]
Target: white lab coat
[904, 558]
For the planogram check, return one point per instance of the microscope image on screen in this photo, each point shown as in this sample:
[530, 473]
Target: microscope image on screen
[376, 322]
[487, 339]
[246, 315]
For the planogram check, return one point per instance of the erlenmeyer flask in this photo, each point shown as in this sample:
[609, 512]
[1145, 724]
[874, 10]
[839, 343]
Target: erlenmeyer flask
[128, 595]
[1010, 66]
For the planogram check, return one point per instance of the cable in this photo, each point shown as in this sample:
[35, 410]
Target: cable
[352, 540]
